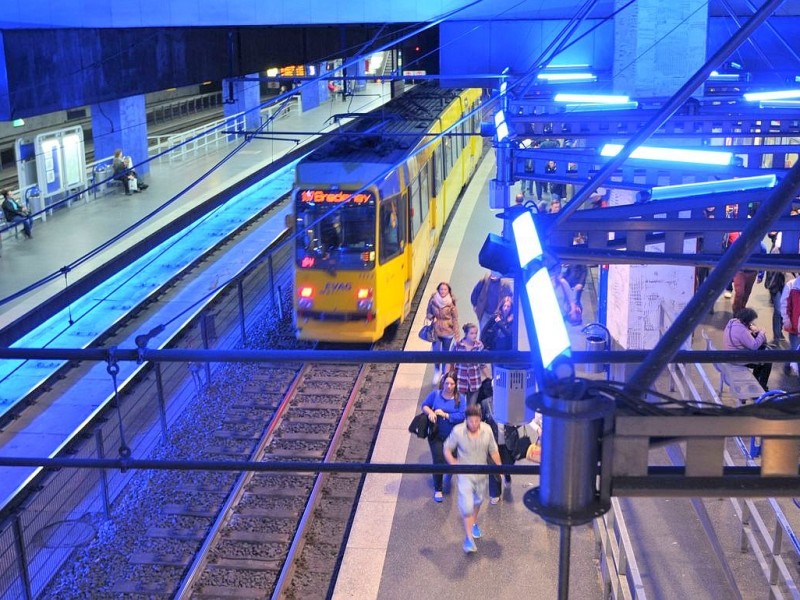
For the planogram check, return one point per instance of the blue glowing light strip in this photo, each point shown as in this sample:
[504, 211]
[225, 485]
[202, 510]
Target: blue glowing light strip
[779, 103]
[777, 95]
[592, 98]
[567, 77]
[526, 238]
[553, 67]
[681, 155]
[742, 184]
[551, 333]
[594, 107]
[714, 76]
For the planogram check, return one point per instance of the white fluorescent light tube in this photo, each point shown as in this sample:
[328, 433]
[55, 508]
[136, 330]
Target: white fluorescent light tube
[681, 155]
[551, 333]
[779, 103]
[741, 184]
[777, 95]
[567, 76]
[584, 66]
[714, 76]
[526, 239]
[593, 107]
[592, 98]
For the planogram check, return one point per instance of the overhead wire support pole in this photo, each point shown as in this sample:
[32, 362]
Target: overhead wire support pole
[697, 307]
[672, 105]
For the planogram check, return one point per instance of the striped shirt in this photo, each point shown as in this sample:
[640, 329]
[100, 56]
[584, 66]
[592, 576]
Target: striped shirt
[468, 375]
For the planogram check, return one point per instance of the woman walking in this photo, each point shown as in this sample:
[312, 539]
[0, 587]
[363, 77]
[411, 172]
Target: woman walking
[443, 314]
[468, 375]
[443, 407]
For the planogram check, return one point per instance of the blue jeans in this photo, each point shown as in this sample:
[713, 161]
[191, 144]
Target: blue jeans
[442, 344]
[27, 223]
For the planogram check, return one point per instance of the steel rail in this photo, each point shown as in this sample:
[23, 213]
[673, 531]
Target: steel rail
[298, 542]
[197, 567]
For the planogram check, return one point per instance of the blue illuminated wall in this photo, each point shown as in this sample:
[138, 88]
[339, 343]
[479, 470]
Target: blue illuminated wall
[490, 46]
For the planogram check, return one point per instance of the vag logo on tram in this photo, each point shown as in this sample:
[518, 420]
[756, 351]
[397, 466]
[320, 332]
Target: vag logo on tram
[330, 288]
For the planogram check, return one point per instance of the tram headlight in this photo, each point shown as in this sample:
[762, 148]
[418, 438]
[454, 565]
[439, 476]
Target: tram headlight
[305, 298]
[364, 297]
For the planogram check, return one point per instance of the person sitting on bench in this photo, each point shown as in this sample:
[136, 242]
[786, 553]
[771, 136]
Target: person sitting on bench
[15, 213]
[742, 334]
[124, 173]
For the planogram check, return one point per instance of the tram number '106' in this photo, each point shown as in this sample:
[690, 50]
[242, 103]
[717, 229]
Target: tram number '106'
[332, 288]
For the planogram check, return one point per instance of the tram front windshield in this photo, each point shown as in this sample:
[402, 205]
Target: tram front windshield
[336, 230]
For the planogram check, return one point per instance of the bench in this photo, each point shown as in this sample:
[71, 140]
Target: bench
[739, 379]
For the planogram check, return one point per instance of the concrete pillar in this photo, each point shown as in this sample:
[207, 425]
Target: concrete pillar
[359, 69]
[311, 95]
[122, 124]
[640, 53]
[240, 96]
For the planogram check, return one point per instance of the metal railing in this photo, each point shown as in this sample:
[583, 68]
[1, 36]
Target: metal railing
[767, 545]
[176, 146]
[618, 568]
[33, 540]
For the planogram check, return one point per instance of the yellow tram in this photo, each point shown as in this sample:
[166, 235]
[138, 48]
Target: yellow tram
[369, 209]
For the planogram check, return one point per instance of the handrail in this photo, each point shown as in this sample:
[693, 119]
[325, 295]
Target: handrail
[618, 567]
[774, 564]
[208, 134]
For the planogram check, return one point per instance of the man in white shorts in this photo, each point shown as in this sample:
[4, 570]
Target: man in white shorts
[471, 443]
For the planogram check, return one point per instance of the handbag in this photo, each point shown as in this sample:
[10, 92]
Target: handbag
[427, 334]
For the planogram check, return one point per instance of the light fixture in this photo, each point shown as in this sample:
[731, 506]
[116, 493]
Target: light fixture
[500, 125]
[595, 107]
[716, 76]
[592, 98]
[702, 188]
[681, 155]
[776, 95]
[566, 77]
[526, 239]
[779, 104]
[551, 333]
[18, 122]
[580, 66]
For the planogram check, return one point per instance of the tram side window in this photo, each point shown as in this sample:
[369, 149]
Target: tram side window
[393, 227]
[453, 151]
[436, 165]
[413, 202]
[446, 154]
[425, 192]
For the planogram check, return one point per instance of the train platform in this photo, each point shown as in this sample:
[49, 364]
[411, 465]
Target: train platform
[46, 427]
[71, 233]
[402, 544]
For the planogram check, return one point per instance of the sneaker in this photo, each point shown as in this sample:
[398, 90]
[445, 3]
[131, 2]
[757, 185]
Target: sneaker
[469, 546]
[438, 496]
[476, 531]
[494, 500]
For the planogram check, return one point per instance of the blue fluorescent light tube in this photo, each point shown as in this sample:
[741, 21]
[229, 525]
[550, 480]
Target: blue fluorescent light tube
[551, 333]
[582, 66]
[777, 95]
[526, 239]
[594, 107]
[742, 184]
[567, 77]
[681, 155]
[715, 76]
[592, 98]
[779, 103]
